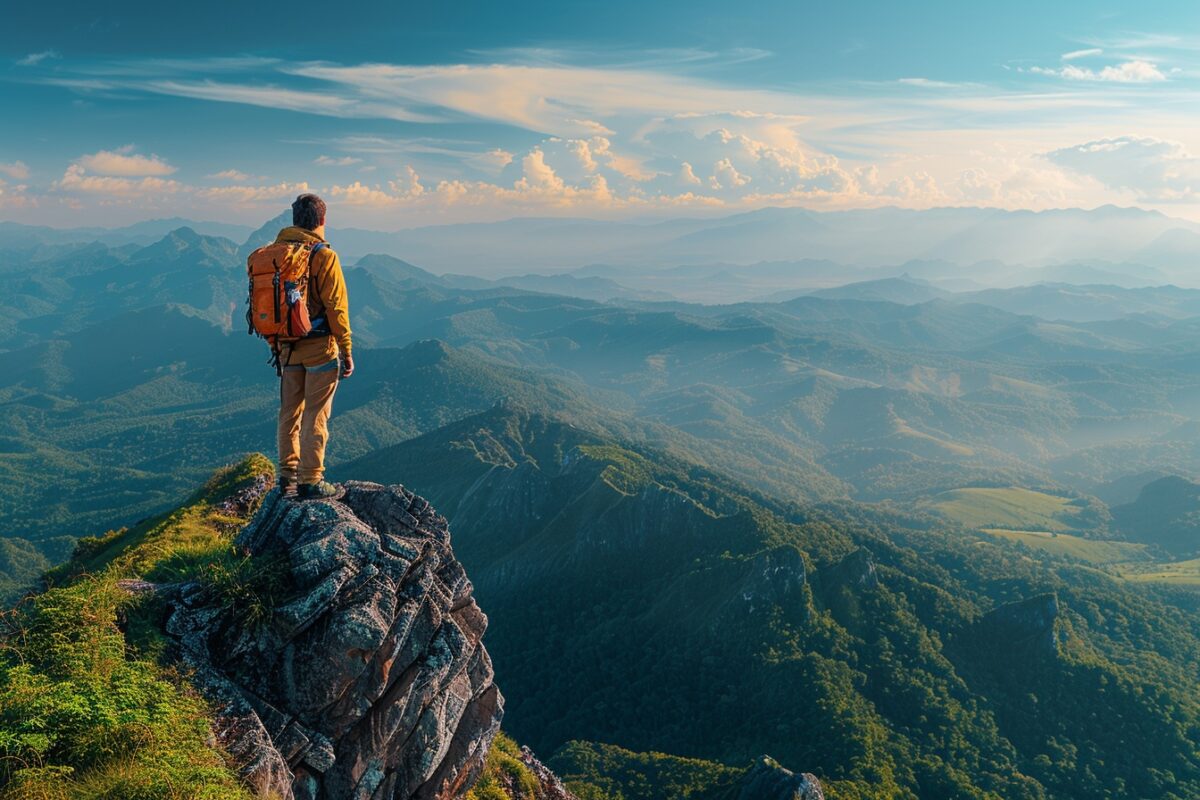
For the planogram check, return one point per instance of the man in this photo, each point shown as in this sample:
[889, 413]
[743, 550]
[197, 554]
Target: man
[310, 366]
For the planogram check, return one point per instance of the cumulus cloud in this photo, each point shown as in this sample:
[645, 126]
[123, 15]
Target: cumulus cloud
[1153, 169]
[15, 196]
[725, 174]
[1136, 71]
[76, 180]
[330, 161]
[687, 175]
[17, 170]
[124, 162]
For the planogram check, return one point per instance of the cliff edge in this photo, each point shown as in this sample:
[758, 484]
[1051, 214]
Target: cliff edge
[345, 661]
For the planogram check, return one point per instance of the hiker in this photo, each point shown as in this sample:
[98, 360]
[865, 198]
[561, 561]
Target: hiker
[298, 303]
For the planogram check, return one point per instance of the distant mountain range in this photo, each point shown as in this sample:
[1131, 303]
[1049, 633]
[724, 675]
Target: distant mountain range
[1127, 246]
[703, 529]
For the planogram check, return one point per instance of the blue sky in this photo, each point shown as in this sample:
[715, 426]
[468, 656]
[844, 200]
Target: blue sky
[408, 114]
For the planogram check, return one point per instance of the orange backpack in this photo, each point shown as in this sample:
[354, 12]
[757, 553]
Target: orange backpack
[278, 302]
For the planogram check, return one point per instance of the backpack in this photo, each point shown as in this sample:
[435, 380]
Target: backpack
[278, 302]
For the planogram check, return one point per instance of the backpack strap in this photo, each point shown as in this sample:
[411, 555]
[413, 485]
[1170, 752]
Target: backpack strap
[320, 326]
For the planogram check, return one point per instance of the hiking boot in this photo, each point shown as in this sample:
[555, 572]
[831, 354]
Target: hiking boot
[287, 487]
[321, 490]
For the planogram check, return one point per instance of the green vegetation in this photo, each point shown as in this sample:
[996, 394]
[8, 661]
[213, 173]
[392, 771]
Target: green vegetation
[86, 710]
[1094, 551]
[698, 617]
[662, 494]
[605, 772]
[505, 776]
[1165, 514]
[1014, 508]
[83, 719]
[1180, 573]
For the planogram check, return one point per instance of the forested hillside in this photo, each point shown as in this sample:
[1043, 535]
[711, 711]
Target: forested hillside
[920, 543]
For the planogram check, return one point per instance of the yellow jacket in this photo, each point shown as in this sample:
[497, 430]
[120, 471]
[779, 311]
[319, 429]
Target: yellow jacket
[327, 297]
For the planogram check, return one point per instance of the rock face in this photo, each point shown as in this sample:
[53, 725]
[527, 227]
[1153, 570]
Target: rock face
[1026, 625]
[766, 780]
[367, 677]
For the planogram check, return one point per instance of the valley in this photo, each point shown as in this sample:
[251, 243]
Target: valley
[939, 512]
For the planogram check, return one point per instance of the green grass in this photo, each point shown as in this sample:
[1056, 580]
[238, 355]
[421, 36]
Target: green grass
[170, 546]
[1093, 551]
[1179, 573]
[1011, 508]
[504, 776]
[87, 712]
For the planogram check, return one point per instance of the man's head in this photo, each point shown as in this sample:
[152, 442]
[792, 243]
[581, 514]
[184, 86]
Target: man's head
[308, 212]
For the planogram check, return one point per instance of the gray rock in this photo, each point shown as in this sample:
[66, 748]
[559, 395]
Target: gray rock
[368, 679]
[766, 780]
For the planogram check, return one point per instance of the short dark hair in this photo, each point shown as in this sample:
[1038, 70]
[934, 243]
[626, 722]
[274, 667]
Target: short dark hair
[308, 212]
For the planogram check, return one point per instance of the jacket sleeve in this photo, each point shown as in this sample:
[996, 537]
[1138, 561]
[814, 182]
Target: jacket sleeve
[331, 287]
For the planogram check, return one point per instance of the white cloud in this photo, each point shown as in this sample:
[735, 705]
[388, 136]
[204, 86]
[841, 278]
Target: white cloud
[687, 176]
[76, 180]
[612, 140]
[926, 83]
[725, 174]
[250, 195]
[538, 174]
[544, 98]
[409, 185]
[33, 59]
[1085, 53]
[231, 175]
[123, 162]
[17, 170]
[1153, 169]
[1136, 71]
[330, 161]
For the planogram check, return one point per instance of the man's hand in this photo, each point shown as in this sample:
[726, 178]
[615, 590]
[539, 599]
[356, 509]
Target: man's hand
[347, 365]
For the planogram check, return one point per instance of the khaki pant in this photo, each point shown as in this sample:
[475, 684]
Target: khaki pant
[305, 400]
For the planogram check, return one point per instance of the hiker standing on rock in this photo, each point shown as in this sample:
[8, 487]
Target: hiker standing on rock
[298, 303]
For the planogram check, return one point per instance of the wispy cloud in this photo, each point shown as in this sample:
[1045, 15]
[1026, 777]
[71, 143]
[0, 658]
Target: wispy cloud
[330, 161]
[1136, 71]
[33, 59]
[926, 83]
[543, 135]
[235, 175]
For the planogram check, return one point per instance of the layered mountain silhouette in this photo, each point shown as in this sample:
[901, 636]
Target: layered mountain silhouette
[703, 533]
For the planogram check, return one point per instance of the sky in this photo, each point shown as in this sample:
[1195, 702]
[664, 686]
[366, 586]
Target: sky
[403, 114]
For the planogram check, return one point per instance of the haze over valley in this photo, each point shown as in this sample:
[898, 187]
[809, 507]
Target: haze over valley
[794, 401]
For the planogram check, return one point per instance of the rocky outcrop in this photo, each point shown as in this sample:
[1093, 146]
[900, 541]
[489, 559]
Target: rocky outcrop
[856, 570]
[843, 584]
[346, 663]
[1024, 626]
[549, 786]
[766, 780]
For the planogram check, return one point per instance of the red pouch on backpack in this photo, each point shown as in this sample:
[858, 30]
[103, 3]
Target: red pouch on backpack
[298, 322]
